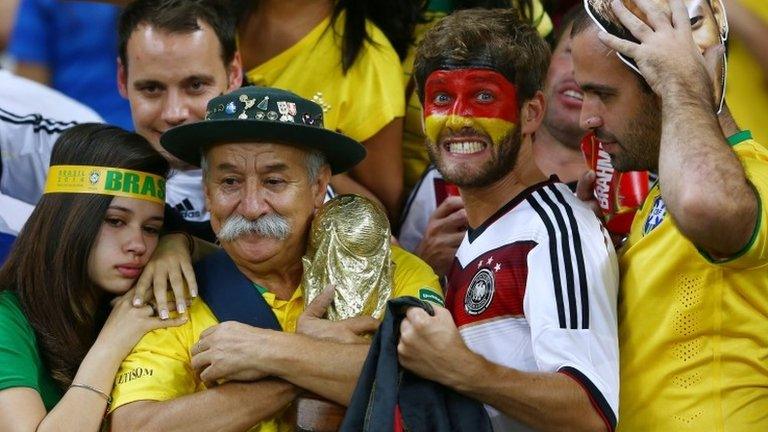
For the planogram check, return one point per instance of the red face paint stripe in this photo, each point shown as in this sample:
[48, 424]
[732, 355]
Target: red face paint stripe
[470, 93]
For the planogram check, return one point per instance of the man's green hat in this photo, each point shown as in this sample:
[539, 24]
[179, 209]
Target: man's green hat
[263, 114]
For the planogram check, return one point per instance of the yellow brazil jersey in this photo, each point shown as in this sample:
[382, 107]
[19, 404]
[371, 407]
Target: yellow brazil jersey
[415, 157]
[159, 367]
[359, 103]
[747, 88]
[692, 332]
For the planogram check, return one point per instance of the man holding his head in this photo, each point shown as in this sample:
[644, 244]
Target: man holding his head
[709, 28]
[694, 295]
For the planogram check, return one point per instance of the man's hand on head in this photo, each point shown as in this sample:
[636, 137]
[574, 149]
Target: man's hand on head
[230, 351]
[431, 347]
[352, 330]
[444, 233]
[667, 55]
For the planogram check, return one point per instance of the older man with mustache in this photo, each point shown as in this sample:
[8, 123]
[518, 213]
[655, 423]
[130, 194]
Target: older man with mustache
[266, 162]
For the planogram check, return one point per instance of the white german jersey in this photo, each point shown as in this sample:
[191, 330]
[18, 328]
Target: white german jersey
[534, 288]
[31, 118]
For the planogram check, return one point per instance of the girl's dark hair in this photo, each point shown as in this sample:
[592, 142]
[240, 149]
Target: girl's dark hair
[48, 266]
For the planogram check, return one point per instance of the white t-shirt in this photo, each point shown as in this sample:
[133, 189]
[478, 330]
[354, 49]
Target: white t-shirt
[534, 288]
[31, 118]
[184, 192]
[429, 192]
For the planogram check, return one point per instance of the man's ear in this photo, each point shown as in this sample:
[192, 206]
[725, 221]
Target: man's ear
[320, 186]
[122, 78]
[532, 113]
[235, 73]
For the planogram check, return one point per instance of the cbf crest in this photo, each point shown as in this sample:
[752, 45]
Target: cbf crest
[656, 216]
[480, 292]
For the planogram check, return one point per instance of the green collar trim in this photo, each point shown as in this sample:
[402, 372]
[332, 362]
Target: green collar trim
[739, 137]
[747, 247]
[259, 288]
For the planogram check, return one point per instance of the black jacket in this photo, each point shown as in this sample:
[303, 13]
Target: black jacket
[425, 405]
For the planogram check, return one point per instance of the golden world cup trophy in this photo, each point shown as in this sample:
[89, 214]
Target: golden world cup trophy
[349, 247]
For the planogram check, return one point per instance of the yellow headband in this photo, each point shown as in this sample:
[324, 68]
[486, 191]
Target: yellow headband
[105, 181]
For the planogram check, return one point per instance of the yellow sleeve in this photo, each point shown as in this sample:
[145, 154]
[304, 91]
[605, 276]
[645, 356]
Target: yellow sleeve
[757, 7]
[158, 368]
[413, 277]
[754, 158]
[373, 92]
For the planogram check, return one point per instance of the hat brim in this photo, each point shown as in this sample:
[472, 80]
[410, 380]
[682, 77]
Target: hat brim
[187, 142]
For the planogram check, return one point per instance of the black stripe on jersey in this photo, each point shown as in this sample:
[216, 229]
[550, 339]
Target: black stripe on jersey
[565, 237]
[552, 258]
[580, 266]
[474, 233]
[597, 399]
[39, 122]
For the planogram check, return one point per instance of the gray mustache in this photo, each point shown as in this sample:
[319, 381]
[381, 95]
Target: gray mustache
[269, 226]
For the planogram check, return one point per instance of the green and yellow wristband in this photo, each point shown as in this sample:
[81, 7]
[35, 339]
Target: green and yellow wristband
[105, 181]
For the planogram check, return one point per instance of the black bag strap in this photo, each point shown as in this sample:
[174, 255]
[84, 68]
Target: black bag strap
[230, 295]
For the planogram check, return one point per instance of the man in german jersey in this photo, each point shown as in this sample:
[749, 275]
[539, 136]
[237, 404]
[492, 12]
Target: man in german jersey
[530, 324]
[433, 221]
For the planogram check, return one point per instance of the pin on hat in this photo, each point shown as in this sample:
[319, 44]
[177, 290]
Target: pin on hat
[279, 116]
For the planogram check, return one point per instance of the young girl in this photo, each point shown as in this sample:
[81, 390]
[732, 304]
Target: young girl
[82, 249]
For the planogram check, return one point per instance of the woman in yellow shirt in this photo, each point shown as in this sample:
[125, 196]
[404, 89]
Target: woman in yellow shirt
[346, 56]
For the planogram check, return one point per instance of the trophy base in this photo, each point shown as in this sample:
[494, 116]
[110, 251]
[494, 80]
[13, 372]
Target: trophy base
[316, 414]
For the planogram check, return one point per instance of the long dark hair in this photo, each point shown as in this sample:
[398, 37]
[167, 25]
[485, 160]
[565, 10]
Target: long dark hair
[395, 18]
[48, 266]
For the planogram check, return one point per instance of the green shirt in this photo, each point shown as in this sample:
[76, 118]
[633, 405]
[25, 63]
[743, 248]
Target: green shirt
[20, 362]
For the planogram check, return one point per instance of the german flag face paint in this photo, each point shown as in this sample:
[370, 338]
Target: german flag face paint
[478, 101]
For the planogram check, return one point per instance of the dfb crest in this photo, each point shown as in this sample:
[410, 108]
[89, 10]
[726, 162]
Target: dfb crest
[480, 292]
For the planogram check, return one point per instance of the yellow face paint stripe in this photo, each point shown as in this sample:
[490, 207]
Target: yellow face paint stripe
[495, 128]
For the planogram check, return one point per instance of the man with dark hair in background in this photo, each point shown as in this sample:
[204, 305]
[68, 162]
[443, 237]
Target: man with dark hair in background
[694, 295]
[530, 324]
[175, 56]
